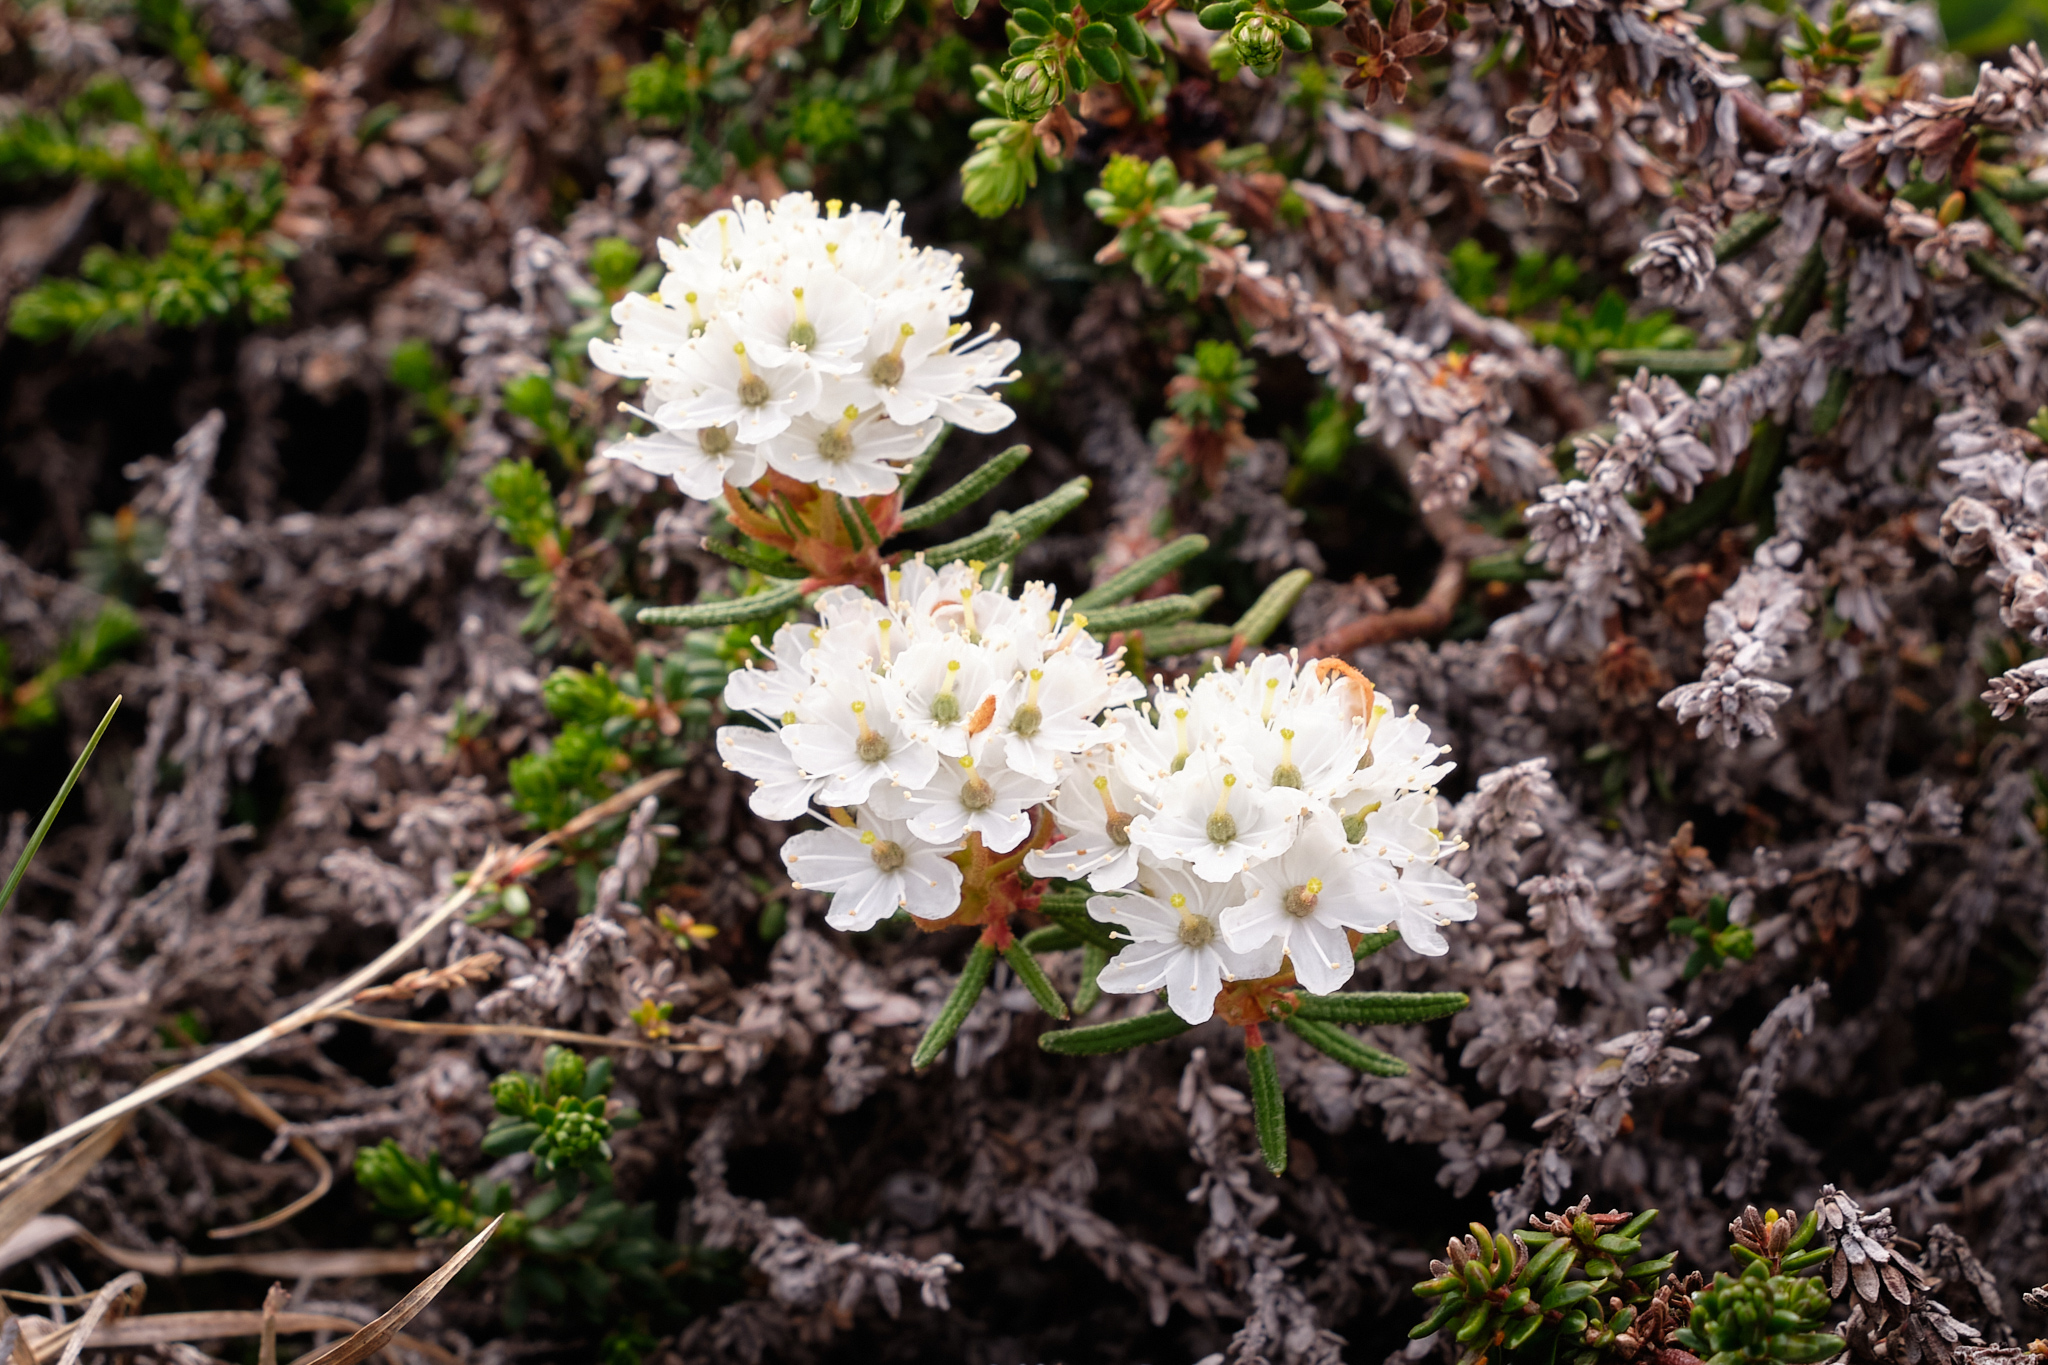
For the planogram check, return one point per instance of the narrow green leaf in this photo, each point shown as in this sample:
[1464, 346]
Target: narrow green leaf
[1155, 611]
[963, 494]
[1336, 1043]
[1993, 211]
[1828, 410]
[35, 840]
[966, 991]
[922, 465]
[853, 532]
[1274, 603]
[1381, 1007]
[1726, 360]
[1093, 1040]
[732, 612]
[1093, 960]
[1034, 980]
[1052, 938]
[1802, 295]
[1141, 574]
[1069, 910]
[747, 556]
[1744, 231]
[1372, 943]
[1186, 637]
[1268, 1109]
[1008, 533]
[2003, 275]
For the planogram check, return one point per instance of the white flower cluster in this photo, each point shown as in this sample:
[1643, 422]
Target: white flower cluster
[1253, 815]
[1257, 813]
[819, 344]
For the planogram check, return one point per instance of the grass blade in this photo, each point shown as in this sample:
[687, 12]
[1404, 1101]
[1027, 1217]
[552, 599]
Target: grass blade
[35, 841]
[363, 1344]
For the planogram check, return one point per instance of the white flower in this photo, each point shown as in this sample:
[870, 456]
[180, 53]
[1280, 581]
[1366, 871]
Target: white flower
[1420, 899]
[702, 460]
[1176, 944]
[854, 454]
[1209, 817]
[977, 793]
[774, 694]
[872, 868]
[772, 321]
[1094, 810]
[727, 386]
[1402, 829]
[782, 790]
[944, 680]
[1304, 900]
[855, 741]
[1048, 713]
[816, 315]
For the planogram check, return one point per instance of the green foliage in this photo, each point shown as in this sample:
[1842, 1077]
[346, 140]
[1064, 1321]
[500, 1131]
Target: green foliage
[1567, 1288]
[1769, 1312]
[523, 506]
[1838, 45]
[1714, 939]
[671, 89]
[1539, 1295]
[1164, 227]
[415, 368]
[1004, 166]
[1583, 333]
[31, 704]
[1219, 388]
[1537, 279]
[115, 558]
[557, 1116]
[532, 396]
[405, 1186]
[575, 1242]
[204, 161]
[1758, 1317]
[616, 729]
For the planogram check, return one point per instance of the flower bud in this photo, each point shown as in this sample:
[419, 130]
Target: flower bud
[564, 1072]
[1260, 40]
[1032, 89]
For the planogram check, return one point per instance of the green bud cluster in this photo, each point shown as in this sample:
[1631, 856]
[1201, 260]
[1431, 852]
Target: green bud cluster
[1769, 1312]
[1714, 939]
[406, 1186]
[1756, 1317]
[1567, 1292]
[1167, 249]
[1261, 34]
[558, 1116]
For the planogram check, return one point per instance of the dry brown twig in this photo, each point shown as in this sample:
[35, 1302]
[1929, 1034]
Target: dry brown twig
[499, 862]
